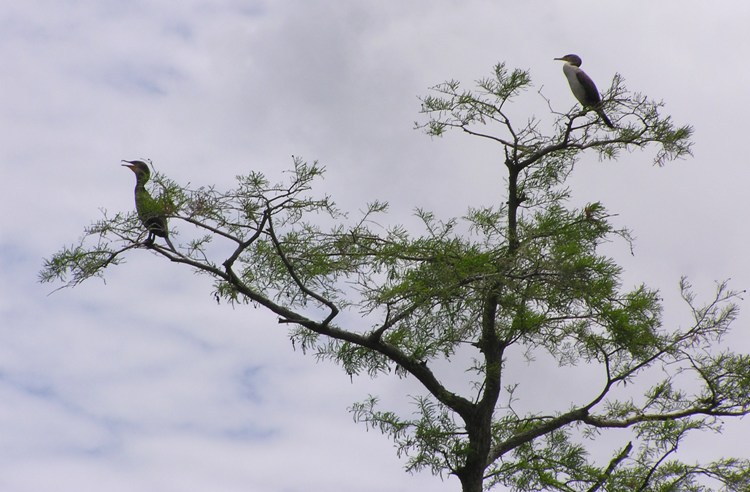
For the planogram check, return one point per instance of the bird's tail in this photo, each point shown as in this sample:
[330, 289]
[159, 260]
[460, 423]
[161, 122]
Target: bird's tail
[169, 243]
[604, 118]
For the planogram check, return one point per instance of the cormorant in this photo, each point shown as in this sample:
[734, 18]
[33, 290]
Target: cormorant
[583, 87]
[149, 210]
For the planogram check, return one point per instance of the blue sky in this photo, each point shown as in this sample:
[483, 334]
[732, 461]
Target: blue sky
[143, 382]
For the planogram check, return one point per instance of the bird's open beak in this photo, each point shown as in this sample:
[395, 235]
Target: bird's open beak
[129, 165]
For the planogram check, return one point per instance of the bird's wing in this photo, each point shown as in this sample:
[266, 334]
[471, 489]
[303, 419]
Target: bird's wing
[592, 93]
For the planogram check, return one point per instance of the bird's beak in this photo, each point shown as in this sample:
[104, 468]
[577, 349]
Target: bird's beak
[562, 59]
[129, 165]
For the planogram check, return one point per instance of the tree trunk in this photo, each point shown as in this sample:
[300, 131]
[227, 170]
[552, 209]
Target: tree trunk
[471, 479]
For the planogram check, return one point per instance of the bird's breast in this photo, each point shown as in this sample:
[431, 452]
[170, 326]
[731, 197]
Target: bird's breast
[571, 73]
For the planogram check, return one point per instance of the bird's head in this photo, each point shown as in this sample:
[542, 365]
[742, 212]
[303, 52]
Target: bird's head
[574, 60]
[140, 168]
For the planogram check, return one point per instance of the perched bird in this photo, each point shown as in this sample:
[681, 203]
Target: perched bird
[583, 87]
[149, 210]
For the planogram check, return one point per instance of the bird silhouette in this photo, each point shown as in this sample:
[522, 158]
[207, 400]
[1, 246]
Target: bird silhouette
[583, 87]
[150, 211]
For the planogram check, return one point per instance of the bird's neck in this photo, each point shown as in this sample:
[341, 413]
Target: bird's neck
[571, 73]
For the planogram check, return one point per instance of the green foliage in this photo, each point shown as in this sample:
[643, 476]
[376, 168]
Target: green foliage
[525, 276]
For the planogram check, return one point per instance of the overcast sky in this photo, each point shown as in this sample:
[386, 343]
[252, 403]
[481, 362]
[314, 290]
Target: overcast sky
[144, 383]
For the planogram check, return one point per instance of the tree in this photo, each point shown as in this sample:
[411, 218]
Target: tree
[524, 275]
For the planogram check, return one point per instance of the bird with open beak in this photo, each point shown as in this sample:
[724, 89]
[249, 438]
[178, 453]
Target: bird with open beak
[150, 212]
